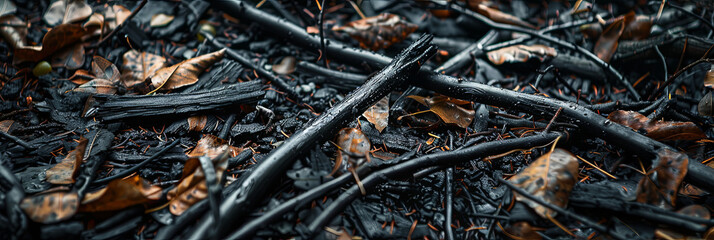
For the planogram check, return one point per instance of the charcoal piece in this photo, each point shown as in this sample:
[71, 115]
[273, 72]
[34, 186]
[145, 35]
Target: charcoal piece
[63, 230]
[307, 178]
[227, 71]
[112, 108]
[247, 129]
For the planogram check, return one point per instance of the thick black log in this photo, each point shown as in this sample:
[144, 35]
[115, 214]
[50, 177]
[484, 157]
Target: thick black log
[112, 107]
[255, 186]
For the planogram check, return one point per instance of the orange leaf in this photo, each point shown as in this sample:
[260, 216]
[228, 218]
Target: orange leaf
[54, 40]
[50, 207]
[138, 66]
[378, 114]
[501, 17]
[659, 187]
[637, 27]
[550, 177]
[197, 123]
[65, 171]
[378, 32]
[607, 43]
[353, 141]
[119, 194]
[103, 68]
[192, 187]
[520, 54]
[71, 57]
[185, 73]
[448, 109]
[658, 130]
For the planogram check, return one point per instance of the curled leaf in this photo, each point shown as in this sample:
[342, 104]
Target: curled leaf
[119, 194]
[378, 32]
[378, 114]
[501, 17]
[54, 40]
[65, 171]
[138, 66]
[160, 20]
[197, 123]
[71, 57]
[7, 7]
[658, 130]
[50, 207]
[637, 27]
[286, 66]
[351, 142]
[67, 11]
[607, 43]
[659, 187]
[103, 68]
[98, 85]
[521, 53]
[550, 177]
[448, 109]
[186, 72]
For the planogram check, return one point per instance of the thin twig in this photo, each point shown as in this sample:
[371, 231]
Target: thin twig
[676, 74]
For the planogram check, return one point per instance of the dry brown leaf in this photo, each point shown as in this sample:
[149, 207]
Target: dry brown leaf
[98, 85]
[103, 68]
[197, 123]
[521, 53]
[65, 171]
[186, 72]
[119, 194]
[13, 30]
[705, 105]
[192, 187]
[115, 15]
[522, 230]
[71, 57]
[138, 66]
[378, 32]
[709, 78]
[286, 66]
[7, 7]
[550, 177]
[658, 130]
[607, 43]
[637, 27]
[95, 21]
[353, 141]
[54, 40]
[67, 11]
[6, 125]
[501, 17]
[378, 114]
[659, 187]
[448, 109]
[50, 207]
[160, 20]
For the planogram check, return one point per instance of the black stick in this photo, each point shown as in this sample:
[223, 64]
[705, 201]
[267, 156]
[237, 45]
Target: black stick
[449, 176]
[137, 166]
[254, 187]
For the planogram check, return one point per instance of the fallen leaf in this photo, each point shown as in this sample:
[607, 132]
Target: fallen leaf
[354, 143]
[186, 72]
[115, 15]
[448, 109]
[521, 54]
[521, 230]
[7, 7]
[378, 32]
[658, 130]
[98, 85]
[54, 40]
[160, 20]
[192, 187]
[659, 187]
[705, 105]
[637, 27]
[286, 66]
[119, 194]
[71, 57]
[95, 21]
[501, 17]
[607, 43]
[50, 207]
[81, 76]
[550, 177]
[197, 123]
[13, 30]
[138, 66]
[66, 171]
[378, 114]
[709, 78]
[6, 125]
[67, 11]
[103, 68]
